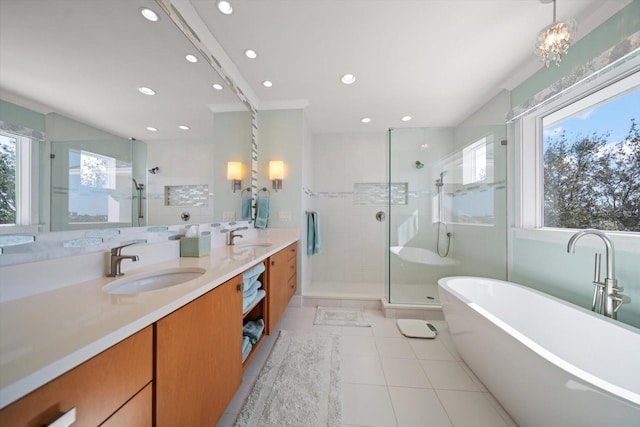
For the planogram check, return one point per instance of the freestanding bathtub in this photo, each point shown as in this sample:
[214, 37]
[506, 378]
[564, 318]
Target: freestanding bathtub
[548, 362]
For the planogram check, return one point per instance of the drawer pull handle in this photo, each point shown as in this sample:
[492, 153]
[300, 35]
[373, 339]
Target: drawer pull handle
[65, 419]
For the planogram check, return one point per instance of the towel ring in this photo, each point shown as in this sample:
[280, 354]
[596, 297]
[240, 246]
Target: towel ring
[265, 189]
[248, 189]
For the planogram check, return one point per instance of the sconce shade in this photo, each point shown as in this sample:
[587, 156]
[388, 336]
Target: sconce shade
[276, 173]
[234, 174]
[234, 171]
[276, 169]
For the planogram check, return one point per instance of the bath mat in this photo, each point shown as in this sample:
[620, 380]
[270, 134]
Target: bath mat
[340, 316]
[299, 385]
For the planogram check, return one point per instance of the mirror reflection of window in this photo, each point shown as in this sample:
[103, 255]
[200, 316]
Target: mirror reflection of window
[93, 188]
[8, 169]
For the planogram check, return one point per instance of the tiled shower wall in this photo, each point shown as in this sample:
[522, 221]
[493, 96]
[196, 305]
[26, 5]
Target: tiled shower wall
[353, 241]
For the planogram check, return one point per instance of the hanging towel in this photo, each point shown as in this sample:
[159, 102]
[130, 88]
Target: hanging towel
[245, 208]
[313, 233]
[262, 214]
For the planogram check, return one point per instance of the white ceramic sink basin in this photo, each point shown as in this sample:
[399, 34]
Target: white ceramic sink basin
[254, 245]
[153, 280]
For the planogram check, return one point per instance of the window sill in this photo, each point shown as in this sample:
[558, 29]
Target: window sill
[622, 241]
[19, 229]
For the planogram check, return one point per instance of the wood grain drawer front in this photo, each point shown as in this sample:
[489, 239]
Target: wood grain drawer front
[292, 250]
[135, 413]
[96, 388]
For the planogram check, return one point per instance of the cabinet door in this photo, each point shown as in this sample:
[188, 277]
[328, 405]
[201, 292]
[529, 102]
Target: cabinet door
[282, 267]
[96, 388]
[199, 358]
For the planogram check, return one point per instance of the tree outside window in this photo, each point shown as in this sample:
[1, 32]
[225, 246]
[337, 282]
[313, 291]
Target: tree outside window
[592, 167]
[7, 179]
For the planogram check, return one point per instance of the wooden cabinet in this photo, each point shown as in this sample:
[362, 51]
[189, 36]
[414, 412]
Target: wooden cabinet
[96, 389]
[198, 358]
[281, 283]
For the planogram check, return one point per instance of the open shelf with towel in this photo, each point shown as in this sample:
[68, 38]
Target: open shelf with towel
[254, 311]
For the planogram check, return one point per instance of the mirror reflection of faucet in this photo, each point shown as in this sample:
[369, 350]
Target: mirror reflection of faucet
[607, 298]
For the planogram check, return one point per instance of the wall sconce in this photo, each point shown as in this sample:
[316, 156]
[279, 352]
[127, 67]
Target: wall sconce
[234, 174]
[276, 173]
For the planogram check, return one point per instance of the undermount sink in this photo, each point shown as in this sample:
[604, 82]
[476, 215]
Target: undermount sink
[254, 245]
[153, 280]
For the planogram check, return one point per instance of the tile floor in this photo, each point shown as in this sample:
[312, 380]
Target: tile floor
[390, 380]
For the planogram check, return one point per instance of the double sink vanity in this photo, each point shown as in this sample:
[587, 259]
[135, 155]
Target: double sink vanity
[161, 345]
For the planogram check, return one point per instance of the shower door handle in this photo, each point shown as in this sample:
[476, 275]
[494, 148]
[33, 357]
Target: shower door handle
[380, 216]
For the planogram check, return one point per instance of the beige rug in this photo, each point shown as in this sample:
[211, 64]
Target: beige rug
[340, 316]
[299, 385]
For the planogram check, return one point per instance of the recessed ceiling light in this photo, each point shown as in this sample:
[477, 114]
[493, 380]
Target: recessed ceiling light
[152, 129]
[406, 118]
[225, 7]
[191, 58]
[218, 86]
[251, 54]
[348, 79]
[183, 127]
[146, 91]
[366, 120]
[267, 83]
[149, 14]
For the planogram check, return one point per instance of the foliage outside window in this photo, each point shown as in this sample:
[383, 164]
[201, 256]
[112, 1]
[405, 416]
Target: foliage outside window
[592, 165]
[7, 179]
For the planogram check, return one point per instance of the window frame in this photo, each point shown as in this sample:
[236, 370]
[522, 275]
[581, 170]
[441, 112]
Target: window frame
[27, 179]
[528, 175]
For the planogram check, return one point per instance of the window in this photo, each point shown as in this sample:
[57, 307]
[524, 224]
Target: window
[474, 162]
[591, 162]
[578, 158]
[15, 179]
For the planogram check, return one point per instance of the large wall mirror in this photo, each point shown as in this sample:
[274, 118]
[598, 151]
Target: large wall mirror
[105, 152]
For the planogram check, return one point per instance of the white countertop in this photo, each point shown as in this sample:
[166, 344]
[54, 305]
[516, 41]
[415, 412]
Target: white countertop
[45, 335]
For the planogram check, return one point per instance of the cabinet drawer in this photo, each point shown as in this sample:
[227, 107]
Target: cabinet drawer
[292, 250]
[96, 388]
[136, 413]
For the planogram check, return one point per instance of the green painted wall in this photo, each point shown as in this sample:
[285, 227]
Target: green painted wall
[14, 114]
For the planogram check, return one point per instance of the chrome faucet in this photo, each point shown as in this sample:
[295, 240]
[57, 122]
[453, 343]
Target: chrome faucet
[606, 297]
[116, 258]
[231, 235]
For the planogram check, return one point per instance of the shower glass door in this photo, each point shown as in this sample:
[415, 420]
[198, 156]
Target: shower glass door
[446, 208]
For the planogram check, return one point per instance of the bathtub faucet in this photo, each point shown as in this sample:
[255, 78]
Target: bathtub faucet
[607, 298]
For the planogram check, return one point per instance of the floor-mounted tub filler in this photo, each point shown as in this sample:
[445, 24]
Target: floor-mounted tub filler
[548, 362]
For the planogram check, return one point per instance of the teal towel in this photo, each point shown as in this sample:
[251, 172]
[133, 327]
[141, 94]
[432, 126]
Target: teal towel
[251, 275]
[253, 330]
[262, 214]
[245, 209]
[313, 233]
[246, 348]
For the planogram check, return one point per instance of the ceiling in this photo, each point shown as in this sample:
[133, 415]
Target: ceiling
[434, 60]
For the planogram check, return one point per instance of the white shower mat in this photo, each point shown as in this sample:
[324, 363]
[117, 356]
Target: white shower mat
[415, 328]
[340, 316]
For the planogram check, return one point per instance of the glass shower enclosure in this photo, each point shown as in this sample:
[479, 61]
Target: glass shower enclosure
[447, 209]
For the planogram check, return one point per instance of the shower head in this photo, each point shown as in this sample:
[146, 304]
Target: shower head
[419, 164]
[154, 170]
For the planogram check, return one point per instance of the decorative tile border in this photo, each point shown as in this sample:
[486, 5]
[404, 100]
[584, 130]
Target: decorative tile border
[186, 195]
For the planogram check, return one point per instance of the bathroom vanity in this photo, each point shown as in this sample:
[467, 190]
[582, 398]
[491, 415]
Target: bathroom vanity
[164, 357]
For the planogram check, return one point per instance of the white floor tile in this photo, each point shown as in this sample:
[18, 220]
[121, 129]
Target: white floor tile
[430, 349]
[418, 407]
[356, 331]
[404, 373]
[367, 405]
[448, 375]
[362, 370]
[470, 409]
[358, 346]
[385, 328]
[394, 347]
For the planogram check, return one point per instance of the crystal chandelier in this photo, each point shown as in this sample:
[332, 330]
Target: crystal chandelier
[555, 39]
